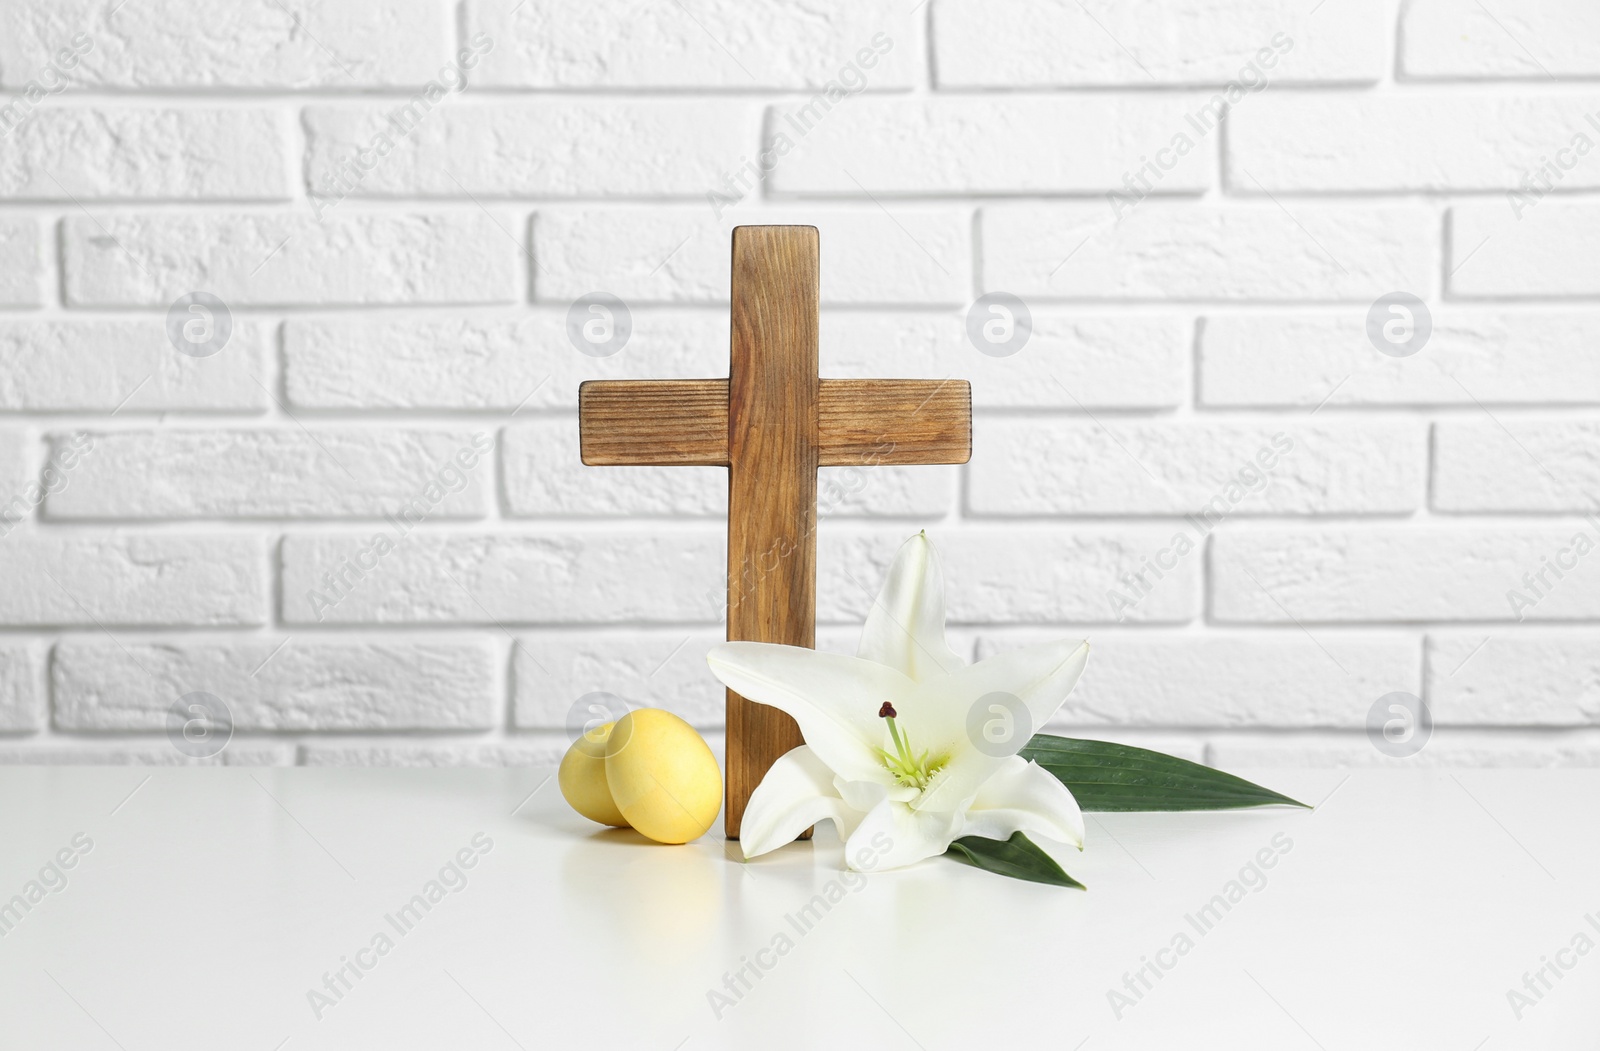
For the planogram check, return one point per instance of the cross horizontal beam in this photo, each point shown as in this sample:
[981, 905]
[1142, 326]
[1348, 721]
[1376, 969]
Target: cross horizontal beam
[657, 423]
[664, 423]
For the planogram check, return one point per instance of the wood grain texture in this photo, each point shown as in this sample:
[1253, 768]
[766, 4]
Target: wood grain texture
[653, 422]
[668, 423]
[772, 479]
[894, 422]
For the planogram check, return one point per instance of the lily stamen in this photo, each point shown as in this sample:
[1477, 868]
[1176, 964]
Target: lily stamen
[908, 768]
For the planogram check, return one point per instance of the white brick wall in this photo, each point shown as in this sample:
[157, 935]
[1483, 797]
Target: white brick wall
[149, 259]
[979, 145]
[1438, 141]
[536, 149]
[1040, 43]
[1200, 251]
[1539, 249]
[78, 364]
[21, 262]
[361, 521]
[1460, 39]
[189, 154]
[756, 44]
[680, 254]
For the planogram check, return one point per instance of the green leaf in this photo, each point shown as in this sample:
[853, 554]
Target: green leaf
[1116, 777]
[1018, 857]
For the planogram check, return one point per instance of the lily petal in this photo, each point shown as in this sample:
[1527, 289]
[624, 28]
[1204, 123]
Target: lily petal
[1024, 797]
[864, 795]
[892, 834]
[1027, 684]
[796, 794]
[905, 627]
[834, 698]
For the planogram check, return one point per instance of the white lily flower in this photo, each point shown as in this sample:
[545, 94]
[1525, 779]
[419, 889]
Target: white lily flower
[900, 739]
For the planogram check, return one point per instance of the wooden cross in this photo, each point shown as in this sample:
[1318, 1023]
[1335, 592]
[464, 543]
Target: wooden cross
[772, 423]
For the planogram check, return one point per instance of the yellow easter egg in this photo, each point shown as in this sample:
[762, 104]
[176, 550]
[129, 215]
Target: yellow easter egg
[582, 778]
[663, 777]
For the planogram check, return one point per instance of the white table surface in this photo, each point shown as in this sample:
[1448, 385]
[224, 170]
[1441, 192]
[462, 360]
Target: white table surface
[212, 900]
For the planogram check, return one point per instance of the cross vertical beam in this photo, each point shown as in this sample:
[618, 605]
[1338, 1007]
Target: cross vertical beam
[772, 479]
